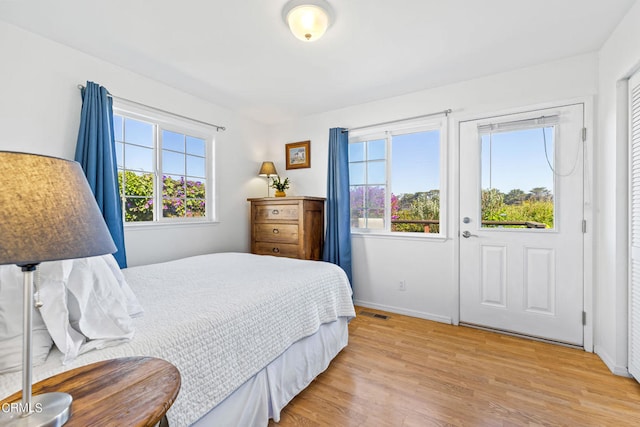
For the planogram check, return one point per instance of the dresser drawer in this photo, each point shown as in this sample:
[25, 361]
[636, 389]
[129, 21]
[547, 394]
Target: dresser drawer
[275, 212]
[278, 249]
[276, 232]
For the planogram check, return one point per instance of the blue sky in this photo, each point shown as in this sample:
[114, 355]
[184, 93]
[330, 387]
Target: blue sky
[181, 156]
[415, 162]
[517, 160]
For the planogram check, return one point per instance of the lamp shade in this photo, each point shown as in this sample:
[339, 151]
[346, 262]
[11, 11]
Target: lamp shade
[308, 20]
[47, 211]
[267, 169]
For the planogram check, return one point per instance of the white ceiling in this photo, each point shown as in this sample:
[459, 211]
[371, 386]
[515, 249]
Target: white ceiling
[239, 54]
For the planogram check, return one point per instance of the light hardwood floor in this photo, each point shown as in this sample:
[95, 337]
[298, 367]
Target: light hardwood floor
[412, 372]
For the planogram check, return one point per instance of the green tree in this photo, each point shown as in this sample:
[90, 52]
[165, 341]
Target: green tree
[540, 194]
[515, 197]
[492, 203]
[416, 206]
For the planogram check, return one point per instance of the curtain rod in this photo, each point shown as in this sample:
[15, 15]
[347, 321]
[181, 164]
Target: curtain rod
[445, 112]
[218, 127]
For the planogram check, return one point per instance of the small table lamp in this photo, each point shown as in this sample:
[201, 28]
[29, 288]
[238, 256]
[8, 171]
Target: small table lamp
[267, 169]
[47, 213]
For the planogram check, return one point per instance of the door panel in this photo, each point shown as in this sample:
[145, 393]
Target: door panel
[540, 284]
[521, 249]
[494, 276]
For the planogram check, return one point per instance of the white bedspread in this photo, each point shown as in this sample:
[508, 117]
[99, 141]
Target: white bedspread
[219, 318]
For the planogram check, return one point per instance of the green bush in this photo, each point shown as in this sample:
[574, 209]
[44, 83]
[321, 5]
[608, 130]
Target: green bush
[181, 198]
[537, 206]
[416, 206]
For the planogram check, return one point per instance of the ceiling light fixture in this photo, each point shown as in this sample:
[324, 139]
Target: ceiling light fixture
[307, 19]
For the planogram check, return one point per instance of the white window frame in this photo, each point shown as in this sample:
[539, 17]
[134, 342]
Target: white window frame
[386, 132]
[165, 121]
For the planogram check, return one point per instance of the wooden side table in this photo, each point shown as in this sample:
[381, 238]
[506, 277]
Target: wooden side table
[131, 391]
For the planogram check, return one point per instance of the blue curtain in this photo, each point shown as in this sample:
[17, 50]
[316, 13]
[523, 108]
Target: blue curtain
[337, 243]
[96, 152]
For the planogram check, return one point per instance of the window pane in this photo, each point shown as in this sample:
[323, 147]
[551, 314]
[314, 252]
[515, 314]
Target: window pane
[356, 152]
[173, 186]
[196, 208]
[173, 208]
[195, 188]
[376, 172]
[376, 149]
[172, 141]
[137, 132]
[138, 209]
[415, 182]
[120, 154]
[173, 163]
[138, 158]
[356, 173]
[117, 128]
[136, 183]
[517, 182]
[375, 207]
[138, 191]
[195, 146]
[356, 196]
[196, 166]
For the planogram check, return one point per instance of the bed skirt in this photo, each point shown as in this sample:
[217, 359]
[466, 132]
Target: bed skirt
[265, 394]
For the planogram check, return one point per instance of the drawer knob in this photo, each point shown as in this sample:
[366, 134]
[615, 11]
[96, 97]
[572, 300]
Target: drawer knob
[276, 250]
[276, 231]
[275, 212]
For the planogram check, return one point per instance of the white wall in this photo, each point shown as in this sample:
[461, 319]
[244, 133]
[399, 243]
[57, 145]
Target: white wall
[40, 113]
[428, 267]
[618, 58]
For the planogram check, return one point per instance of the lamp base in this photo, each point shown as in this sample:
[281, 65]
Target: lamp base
[47, 410]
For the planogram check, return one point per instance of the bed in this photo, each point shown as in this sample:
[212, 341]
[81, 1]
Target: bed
[247, 333]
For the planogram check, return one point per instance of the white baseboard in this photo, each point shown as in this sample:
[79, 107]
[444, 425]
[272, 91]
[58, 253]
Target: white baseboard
[608, 360]
[406, 312]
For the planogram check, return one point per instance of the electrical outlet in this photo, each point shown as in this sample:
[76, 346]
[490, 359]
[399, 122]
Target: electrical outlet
[402, 285]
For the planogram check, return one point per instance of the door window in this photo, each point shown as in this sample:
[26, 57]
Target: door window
[517, 185]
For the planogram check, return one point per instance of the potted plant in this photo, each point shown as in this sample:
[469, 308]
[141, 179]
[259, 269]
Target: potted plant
[280, 186]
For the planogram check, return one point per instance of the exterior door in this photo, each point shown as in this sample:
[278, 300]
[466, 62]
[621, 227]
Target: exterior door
[521, 223]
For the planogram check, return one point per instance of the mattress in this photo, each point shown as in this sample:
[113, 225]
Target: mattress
[221, 319]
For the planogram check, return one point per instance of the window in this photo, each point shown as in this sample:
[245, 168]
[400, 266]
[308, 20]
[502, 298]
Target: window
[395, 176]
[518, 177]
[165, 167]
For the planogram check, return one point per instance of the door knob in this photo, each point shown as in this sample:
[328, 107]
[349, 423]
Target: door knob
[466, 234]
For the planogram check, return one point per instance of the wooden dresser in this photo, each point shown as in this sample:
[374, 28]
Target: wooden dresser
[288, 226]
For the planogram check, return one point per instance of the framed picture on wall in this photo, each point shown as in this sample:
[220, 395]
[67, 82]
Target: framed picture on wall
[298, 155]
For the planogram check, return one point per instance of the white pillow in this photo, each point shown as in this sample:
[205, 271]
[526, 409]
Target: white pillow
[11, 290]
[97, 304]
[133, 306]
[53, 277]
[87, 304]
